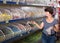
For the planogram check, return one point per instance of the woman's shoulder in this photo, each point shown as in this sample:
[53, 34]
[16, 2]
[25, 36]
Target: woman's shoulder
[44, 18]
[55, 21]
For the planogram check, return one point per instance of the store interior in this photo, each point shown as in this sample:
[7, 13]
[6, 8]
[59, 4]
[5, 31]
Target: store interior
[15, 16]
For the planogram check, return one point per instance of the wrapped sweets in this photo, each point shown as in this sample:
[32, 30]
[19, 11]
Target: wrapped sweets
[5, 14]
[14, 29]
[15, 14]
[27, 10]
[6, 17]
[1, 18]
[2, 36]
[7, 32]
[21, 27]
[21, 12]
[8, 12]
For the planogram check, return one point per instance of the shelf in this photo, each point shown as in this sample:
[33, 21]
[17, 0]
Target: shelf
[39, 5]
[22, 19]
[19, 37]
[23, 4]
[8, 2]
[9, 21]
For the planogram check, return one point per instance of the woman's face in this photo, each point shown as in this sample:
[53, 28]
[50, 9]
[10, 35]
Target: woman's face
[47, 14]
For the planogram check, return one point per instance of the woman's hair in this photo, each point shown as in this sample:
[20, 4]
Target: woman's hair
[50, 10]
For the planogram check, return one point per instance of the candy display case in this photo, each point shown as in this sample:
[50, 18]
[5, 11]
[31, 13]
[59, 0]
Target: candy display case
[17, 14]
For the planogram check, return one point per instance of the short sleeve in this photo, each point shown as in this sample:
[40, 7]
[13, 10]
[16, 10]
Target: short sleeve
[43, 20]
[55, 22]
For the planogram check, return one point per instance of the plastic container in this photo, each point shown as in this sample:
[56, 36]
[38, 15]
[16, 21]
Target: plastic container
[15, 30]
[5, 14]
[27, 10]
[1, 19]
[14, 13]
[2, 36]
[33, 11]
[21, 12]
[7, 32]
[20, 27]
[8, 15]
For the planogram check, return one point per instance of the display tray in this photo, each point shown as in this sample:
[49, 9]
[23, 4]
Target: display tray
[19, 37]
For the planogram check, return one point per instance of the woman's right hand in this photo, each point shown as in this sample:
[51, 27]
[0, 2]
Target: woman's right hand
[33, 22]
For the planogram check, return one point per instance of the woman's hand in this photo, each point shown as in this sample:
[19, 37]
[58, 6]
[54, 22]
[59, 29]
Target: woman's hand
[39, 26]
[33, 22]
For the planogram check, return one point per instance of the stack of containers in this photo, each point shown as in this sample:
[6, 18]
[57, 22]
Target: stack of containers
[37, 12]
[28, 12]
[20, 12]
[5, 14]
[15, 14]
[21, 27]
[12, 13]
[2, 36]
[33, 12]
[14, 29]
[27, 27]
[7, 32]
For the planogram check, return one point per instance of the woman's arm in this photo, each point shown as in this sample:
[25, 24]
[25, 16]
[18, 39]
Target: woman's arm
[56, 28]
[39, 26]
